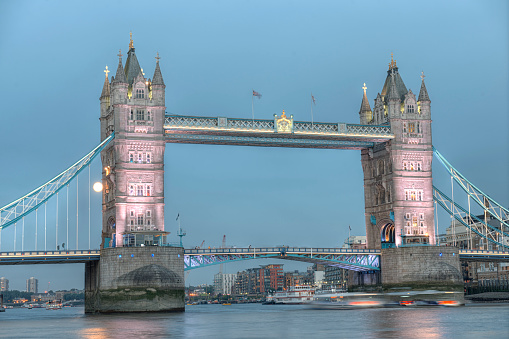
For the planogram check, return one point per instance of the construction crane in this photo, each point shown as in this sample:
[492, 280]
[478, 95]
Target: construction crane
[203, 242]
[223, 245]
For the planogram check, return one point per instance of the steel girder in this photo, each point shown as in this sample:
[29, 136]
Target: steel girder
[49, 257]
[13, 212]
[357, 260]
[250, 132]
[478, 226]
[483, 200]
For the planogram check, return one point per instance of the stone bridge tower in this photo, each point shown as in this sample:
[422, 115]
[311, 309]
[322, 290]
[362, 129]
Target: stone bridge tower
[133, 107]
[397, 174]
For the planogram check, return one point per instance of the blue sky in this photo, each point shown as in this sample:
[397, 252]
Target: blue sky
[213, 53]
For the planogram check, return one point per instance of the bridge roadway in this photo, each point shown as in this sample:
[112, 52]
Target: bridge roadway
[260, 132]
[358, 260]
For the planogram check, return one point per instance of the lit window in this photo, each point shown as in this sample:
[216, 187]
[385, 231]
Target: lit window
[411, 127]
[411, 166]
[148, 190]
[404, 165]
[131, 157]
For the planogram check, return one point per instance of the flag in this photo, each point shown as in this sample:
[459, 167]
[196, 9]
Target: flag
[178, 215]
[256, 94]
[313, 98]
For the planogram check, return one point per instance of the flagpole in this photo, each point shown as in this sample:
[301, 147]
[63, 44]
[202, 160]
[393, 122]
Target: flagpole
[252, 105]
[349, 239]
[311, 108]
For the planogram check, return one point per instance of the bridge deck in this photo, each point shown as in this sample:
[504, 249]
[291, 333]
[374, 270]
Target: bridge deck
[257, 132]
[49, 257]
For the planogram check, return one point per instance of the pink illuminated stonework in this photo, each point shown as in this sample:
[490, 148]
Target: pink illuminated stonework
[397, 174]
[133, 163]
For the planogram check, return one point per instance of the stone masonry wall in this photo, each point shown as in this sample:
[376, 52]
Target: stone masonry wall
[421, 268]
[137, 279]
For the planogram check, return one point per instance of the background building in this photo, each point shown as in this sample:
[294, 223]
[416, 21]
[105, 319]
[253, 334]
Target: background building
[4, 284]
[32, 285]
[224, 283]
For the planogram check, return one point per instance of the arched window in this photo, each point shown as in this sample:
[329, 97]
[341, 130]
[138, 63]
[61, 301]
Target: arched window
[381, 166]
[411, 166]
[405, 165]
[419, 166]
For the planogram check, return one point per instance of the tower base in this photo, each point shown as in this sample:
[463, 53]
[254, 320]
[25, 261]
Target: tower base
[423, 268]
[136, 279]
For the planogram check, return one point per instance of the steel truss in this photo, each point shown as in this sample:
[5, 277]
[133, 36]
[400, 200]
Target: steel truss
[483, 200]
[478, 226]
[13, 212]
[356, 260]
[231, 131]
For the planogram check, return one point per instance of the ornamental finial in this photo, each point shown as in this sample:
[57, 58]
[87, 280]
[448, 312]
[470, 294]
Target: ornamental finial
[119, 55]
[131, 45]
[106, 71]
[422, 76]
[283, 115]
[364, 88]
[392, 65]
[157, 57]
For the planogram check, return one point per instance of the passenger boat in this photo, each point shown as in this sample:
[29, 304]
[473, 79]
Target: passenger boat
[347, 300]
[302, 294]
[55, 305]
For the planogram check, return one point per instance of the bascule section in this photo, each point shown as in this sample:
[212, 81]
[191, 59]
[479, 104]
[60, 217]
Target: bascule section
[397, 174]
[133, 164]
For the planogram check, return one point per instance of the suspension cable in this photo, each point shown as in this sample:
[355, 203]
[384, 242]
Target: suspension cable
[67, 207]
[56, 225]
[77, 209]
[453, 224]
[45, 224]
[22, 234]
[36, 212]
[89, 188]
[15, 232]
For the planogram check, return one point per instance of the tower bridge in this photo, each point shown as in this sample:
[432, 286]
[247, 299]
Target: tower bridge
[395, 142]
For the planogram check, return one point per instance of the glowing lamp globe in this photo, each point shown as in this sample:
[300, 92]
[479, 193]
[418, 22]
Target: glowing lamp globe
[98, 187]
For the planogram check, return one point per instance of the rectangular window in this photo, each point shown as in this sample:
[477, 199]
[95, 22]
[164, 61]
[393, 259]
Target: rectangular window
[148, 214]
[411, 127]
[140, 219]
[407, 216]
[140, 94]
[149, 115]
[131, 192]
[131, 157]
[421, 216]
[149, 158]
[149, 190]
[132, 213]
[131, 115]
[140, 191]
[140, 115]
[140, 158]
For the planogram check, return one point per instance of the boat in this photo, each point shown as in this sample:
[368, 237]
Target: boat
[347, 300]
[300, 294]
[54, 305]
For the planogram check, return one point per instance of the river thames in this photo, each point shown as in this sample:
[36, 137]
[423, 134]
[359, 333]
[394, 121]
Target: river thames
[262, 321]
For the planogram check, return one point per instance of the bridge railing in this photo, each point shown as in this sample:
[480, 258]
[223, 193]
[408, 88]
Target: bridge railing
[281, 249]
[48, 253]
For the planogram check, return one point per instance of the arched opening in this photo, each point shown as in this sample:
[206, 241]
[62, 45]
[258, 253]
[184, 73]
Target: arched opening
[387, 236]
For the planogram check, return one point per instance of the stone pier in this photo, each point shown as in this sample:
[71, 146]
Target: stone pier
[136, 279]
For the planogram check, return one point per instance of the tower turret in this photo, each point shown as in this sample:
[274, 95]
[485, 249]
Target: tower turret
[393, 99]
[105, 94]
[158, 86]
[366, 115]
[423, 100]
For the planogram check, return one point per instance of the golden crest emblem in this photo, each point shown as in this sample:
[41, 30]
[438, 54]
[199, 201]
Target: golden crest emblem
[283, 124]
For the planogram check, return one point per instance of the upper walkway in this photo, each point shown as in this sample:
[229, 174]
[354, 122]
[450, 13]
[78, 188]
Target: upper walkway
[270, 133]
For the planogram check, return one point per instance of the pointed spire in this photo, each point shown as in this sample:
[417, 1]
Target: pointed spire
[106, 86]
[423, 94]
[393, 91]
[157, 79]
[365, 102]
[131, 44]
[120, 75]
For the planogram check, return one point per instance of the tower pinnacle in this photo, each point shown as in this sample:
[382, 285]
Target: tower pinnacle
[131, 45]
[423, 93]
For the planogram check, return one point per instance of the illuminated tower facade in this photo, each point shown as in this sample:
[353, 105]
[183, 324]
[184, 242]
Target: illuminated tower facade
[133, 107]
[398, 188]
